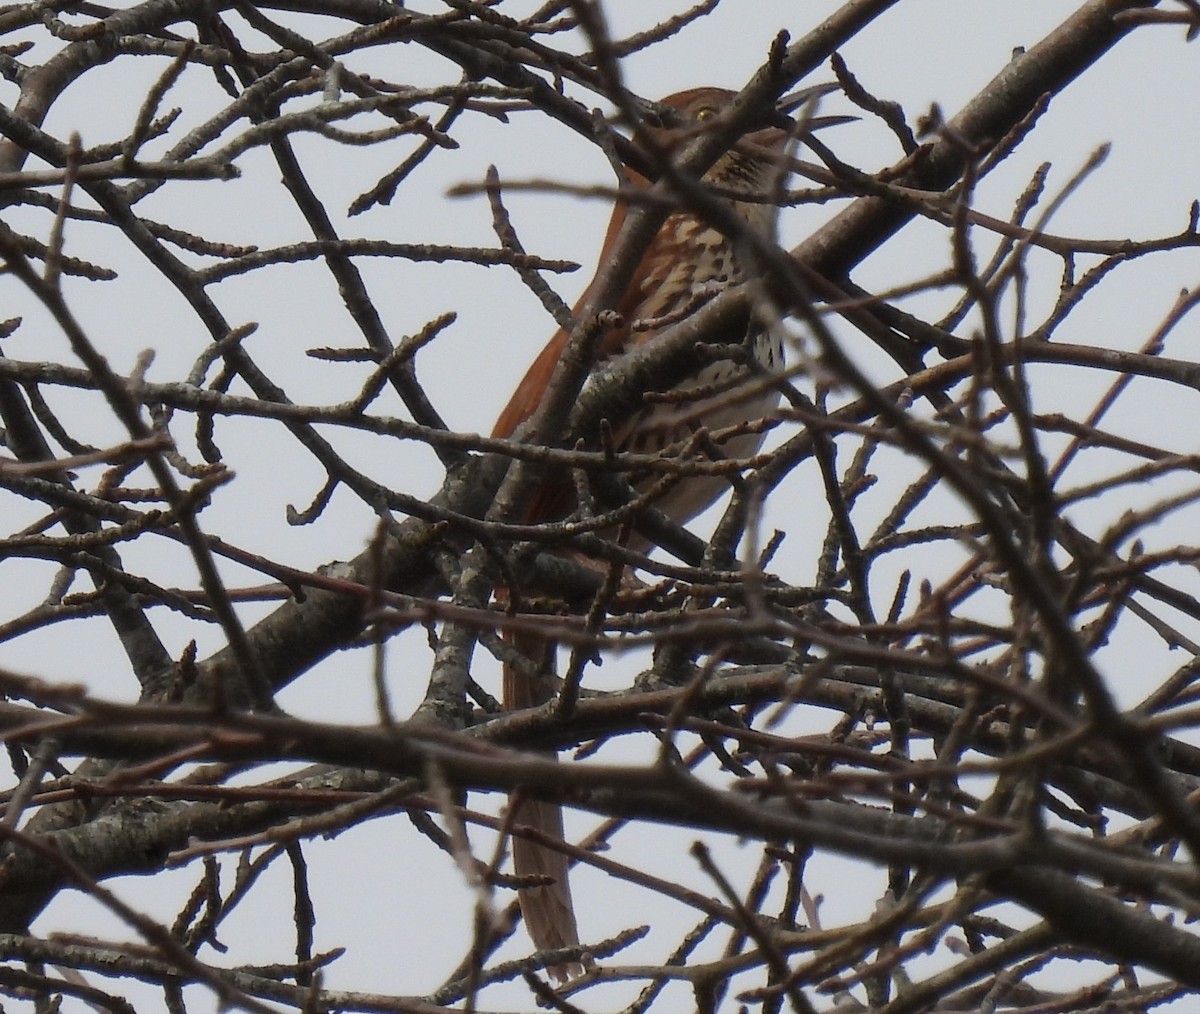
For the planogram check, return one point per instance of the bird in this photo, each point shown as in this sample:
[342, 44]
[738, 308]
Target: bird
[687, 260]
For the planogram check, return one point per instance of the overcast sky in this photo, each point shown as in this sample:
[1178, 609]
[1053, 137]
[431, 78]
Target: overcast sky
[1141, 99]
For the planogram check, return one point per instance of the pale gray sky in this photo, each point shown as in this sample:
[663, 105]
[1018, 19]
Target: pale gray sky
[405, 918]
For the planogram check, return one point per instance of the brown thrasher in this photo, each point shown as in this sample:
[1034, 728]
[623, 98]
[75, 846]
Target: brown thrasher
[687, 259]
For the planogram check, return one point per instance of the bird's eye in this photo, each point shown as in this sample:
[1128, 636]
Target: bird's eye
[706, 113]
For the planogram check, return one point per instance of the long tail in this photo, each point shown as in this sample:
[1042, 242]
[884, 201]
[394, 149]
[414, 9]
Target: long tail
[548, 912]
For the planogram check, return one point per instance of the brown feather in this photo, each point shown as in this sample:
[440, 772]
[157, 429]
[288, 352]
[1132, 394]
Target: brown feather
[667, 278]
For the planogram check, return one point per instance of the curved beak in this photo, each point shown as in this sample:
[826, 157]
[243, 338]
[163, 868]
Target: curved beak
[783, 127]
[805, 101]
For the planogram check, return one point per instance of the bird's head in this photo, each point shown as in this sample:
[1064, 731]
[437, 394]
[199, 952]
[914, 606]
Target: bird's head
[670, 124]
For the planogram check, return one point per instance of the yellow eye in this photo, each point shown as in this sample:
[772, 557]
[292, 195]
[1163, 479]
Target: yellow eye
[707, 113]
